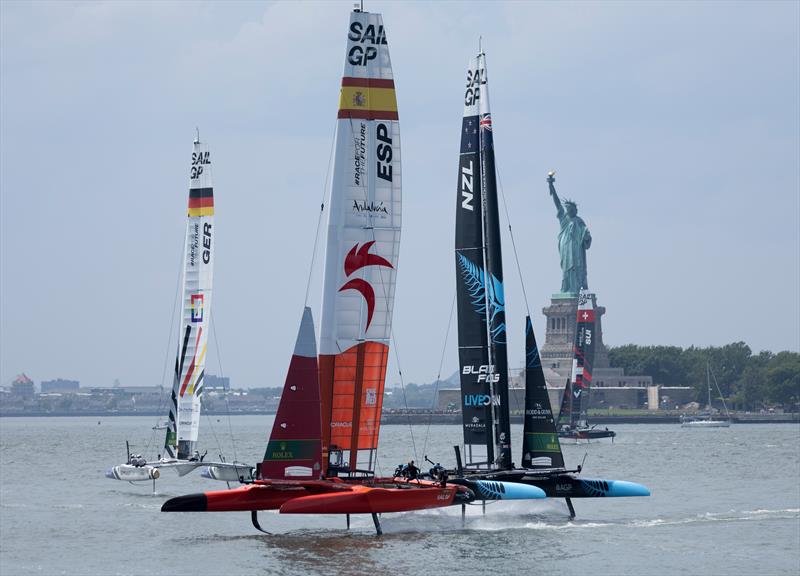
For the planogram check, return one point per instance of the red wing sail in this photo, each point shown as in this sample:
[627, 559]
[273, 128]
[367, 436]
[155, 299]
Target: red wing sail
[294, 450]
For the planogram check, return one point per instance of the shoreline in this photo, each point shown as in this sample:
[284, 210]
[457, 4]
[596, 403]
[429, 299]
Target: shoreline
[418, 418]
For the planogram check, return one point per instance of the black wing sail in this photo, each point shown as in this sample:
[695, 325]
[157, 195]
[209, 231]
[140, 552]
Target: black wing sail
[473, 351]
[479, 278]
[564, 410]
[495, 297]
[541, 448]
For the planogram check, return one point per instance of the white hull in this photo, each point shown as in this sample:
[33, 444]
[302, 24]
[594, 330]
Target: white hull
[706, 424]
[130, 473]
[228, 472]
[151, 471]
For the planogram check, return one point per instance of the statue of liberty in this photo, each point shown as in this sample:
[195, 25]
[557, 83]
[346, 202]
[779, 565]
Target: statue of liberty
[573, 242]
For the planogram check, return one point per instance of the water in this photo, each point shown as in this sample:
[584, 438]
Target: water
[724, 501]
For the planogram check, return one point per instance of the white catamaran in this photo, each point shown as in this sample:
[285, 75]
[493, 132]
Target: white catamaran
[182, 427]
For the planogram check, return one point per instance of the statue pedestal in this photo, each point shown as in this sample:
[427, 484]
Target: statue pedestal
[559, 342]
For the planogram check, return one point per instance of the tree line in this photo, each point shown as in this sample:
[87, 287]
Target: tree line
[747, 381]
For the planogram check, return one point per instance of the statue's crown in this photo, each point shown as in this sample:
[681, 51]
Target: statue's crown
[568, 202]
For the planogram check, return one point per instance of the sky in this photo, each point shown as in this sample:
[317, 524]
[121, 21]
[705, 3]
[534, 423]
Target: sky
[675, 126]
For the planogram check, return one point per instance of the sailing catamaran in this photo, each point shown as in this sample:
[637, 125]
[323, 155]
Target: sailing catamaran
[182, 427]
[321, 455]
[575, 402]
[482, 333]
[708, 420]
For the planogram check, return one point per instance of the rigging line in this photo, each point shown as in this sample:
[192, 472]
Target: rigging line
[321, 211]
[169, 341]
[405, 401]
[513, 242]
[439, 374]
[222, 375]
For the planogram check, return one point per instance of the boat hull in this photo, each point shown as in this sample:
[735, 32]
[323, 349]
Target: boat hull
[706, 424]
[318, 497]
[228, 472]
[500, 490]
[371, 500]
[130, 473]
[565, 485]
[243, 499]
[587, 434]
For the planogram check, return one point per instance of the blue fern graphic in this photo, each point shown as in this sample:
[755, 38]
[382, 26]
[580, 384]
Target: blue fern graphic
[532, 359]
[595, 488]
[489, 490]
[474, 276]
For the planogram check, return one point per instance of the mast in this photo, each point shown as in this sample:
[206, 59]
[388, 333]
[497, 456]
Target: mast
[363, 246]
[495, 297]
[198, 263]
[480, 298]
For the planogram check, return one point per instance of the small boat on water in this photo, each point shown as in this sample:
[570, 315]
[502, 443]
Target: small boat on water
[575, 402]
[708, 420]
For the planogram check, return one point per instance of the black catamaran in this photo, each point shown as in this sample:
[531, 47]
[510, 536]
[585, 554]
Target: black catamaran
[482, 333]
[572, 419]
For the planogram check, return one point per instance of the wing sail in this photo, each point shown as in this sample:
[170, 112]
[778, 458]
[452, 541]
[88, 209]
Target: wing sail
[479, 277]
[198, 263]
[583, 359]
[294, 450]
[362, 248]
[541, 448]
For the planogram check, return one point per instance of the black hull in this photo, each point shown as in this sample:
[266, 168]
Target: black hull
[587, 434]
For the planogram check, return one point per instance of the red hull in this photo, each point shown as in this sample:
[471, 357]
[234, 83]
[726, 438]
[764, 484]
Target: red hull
[317, 497]
[368, 500]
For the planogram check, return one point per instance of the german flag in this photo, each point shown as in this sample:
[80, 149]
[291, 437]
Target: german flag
[201, 202]
[368, 99]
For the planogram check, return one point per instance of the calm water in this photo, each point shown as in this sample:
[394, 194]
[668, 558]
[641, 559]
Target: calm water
[725, 501]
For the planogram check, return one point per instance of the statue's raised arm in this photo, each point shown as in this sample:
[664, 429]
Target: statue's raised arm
[573, 241]
[551, 180]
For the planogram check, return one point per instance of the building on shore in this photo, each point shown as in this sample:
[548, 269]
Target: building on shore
[23, 387]
[60, 386]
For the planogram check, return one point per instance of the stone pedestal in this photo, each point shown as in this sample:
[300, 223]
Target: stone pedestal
[559, 339]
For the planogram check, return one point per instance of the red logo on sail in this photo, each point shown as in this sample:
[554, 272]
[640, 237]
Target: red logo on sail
[354, 261]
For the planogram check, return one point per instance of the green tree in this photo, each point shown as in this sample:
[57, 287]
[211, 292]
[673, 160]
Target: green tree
[783, 379]
[751, 386]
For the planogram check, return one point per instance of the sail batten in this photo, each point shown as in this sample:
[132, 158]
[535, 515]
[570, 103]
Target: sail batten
[197, 275]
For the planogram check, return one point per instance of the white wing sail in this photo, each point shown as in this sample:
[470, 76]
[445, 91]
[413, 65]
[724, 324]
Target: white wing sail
[363, 244]
[198, 263]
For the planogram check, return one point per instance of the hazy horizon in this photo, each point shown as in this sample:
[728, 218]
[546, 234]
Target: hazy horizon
[675, 127]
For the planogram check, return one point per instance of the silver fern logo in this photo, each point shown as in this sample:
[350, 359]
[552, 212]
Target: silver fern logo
[484, 293]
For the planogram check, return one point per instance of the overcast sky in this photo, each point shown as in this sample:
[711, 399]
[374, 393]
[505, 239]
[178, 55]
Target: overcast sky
[675, 126]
